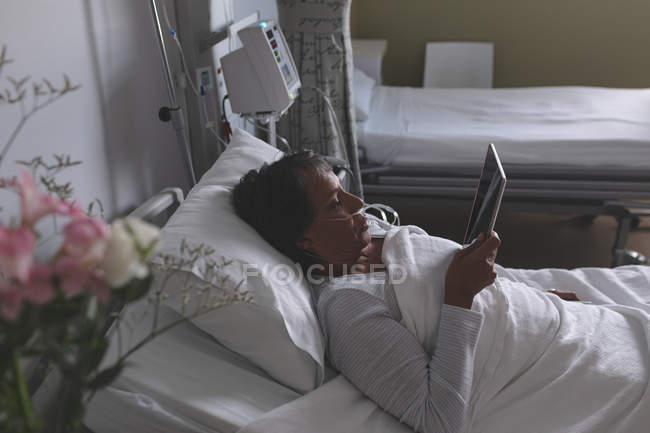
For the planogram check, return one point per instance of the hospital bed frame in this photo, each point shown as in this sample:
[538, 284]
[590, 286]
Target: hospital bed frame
[161, 205]
[621, 193]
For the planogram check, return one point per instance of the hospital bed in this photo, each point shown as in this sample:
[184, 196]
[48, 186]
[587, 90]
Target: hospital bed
[581, 150]
[205, 377]
[185, 381]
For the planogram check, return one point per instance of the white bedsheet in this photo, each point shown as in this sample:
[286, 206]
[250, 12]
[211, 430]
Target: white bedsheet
[339, 407]
[183, 381]
[581, 126]
[587, 366]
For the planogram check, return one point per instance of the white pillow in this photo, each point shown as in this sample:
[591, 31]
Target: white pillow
[363, 85]
[279, 331]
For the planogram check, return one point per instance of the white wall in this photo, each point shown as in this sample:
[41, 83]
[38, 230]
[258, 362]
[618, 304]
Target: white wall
[110, 123]
[268, 8]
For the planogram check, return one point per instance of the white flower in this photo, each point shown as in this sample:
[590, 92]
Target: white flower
[130, 244]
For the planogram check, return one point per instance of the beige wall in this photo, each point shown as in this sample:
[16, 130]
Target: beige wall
[537, 42]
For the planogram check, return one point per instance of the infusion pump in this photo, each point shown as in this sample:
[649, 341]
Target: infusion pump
[261, 77]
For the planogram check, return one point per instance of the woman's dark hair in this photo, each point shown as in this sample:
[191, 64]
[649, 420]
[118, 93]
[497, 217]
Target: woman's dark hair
[275, 202]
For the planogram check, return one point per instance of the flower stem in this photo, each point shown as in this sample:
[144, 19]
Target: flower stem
[21, 391]
[24, 117]
[13, 136]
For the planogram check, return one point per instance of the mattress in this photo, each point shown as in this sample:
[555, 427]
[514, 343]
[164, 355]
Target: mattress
[587, 127]
[183, 381]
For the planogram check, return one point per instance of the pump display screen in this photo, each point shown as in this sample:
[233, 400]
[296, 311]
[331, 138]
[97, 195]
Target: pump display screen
[264, 62]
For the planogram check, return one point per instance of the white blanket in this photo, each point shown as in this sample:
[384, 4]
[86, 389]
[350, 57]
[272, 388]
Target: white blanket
[542, 364]
[419, 289]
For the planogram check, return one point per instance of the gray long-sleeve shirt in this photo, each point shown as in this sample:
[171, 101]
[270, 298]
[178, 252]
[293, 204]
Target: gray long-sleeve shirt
[360, 317]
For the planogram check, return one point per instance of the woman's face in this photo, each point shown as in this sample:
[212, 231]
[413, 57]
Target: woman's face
[338, 233]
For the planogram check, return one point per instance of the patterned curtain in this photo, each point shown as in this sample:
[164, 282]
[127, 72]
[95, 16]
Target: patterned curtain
[318, 34]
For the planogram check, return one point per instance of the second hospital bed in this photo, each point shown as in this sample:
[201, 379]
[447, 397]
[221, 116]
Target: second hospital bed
[582, 148]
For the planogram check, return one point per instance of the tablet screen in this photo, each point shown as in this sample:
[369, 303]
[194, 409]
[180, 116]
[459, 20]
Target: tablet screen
[488, 197]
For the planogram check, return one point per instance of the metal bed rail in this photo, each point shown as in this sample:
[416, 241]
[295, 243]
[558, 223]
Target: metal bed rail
[623, 194]
[521, 171]
[159, 203]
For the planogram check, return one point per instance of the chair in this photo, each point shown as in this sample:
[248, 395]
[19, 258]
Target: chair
[458, 64]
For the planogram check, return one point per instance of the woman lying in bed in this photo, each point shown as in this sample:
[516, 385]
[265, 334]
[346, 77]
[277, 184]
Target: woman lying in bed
[437, 340]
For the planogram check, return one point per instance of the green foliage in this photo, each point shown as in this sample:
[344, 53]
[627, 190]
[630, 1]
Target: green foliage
[69, 332]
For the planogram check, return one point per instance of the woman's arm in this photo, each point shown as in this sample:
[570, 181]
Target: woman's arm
[387, 363]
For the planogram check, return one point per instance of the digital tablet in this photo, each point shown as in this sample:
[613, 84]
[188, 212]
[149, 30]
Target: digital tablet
[487, 199]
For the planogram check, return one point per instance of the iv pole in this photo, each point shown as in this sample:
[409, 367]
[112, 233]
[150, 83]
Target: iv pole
[175, 112]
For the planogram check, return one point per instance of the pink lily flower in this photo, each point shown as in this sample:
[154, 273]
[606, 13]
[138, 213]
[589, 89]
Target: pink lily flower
[86, 239]
[75, 277]
[11, 300]
[17, 247]
[39, 288]
[72, 274]
[35, 204]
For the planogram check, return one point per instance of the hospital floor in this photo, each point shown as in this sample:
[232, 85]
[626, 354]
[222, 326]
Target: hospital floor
[528, 240]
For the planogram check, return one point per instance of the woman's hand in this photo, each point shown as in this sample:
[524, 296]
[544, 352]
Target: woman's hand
[471, 269]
